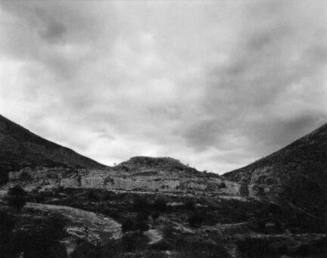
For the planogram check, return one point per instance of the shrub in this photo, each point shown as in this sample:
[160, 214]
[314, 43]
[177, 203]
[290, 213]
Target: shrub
[256, 248]
[142, 216]
[142, 221]
[189, 205]
[162, 245]
[140, 204]
[7, 224]
[55, 226]
[142, 226]
[41, 237]
[92, 196]
[16, 197]
[160, 205]
[24, 176]
[203, 249]
[196, 219]
[85, 250]
[133, 241]
[155, 215]
[128, 225]
[222, 185]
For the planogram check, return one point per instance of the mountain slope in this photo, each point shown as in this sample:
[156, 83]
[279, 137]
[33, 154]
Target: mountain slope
[21, 148]
[296, 175]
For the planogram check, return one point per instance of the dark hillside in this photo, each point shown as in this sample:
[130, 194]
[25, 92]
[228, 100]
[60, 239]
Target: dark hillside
[296, 174]
[22, 148]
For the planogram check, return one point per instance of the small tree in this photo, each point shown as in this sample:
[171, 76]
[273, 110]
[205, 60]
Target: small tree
[16, 197]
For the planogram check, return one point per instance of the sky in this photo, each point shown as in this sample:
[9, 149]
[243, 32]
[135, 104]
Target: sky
[215, 84]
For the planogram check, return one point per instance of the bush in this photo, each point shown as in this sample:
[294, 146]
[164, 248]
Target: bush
[256, 248]
[160, 205]
[142, 226]
[133, 241]
[203, 249]
[55, 226]
[142, 216]
[86, 250]
[140, 204]
[189, 205]
[24, 176]
[155, 215]
[16, 197]
[41, 237]
[93, 196]
[196, 219]
[162, 245]
[140, 223]
[7, 224]
[128, 225]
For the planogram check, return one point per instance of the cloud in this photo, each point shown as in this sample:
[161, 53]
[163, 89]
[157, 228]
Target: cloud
[215, 84]
[280, 48]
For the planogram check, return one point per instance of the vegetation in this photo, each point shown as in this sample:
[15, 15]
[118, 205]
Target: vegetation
[16, 197]
[34, 236]
[196, 219]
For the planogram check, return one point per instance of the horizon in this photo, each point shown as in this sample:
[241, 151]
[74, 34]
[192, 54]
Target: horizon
[214, 84]
[164, 157]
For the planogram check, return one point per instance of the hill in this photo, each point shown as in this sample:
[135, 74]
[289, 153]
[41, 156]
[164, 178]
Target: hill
[295, 175]
[145, 164]
[22, 148]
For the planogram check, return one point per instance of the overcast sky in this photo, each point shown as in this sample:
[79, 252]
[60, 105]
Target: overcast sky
[216, 84]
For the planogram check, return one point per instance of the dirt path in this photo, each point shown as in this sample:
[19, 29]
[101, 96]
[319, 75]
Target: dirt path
[86, 225]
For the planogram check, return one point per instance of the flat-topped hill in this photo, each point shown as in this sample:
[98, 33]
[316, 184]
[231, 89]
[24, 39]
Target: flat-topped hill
[143, 163]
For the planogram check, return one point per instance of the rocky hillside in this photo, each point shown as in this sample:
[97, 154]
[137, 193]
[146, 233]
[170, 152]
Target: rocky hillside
[295, 175]
[146, 164]
[22, 148]
[140, 174]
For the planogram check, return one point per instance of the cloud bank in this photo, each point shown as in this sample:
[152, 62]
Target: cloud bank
[216, 84]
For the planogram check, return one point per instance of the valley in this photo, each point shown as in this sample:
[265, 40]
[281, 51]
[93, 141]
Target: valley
[159, 207]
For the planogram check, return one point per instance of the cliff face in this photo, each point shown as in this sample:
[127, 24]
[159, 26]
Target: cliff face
[21, 148]
[296, 174]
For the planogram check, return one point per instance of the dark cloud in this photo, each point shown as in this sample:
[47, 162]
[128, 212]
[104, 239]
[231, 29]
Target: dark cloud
[54, 31]
[246, 94]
